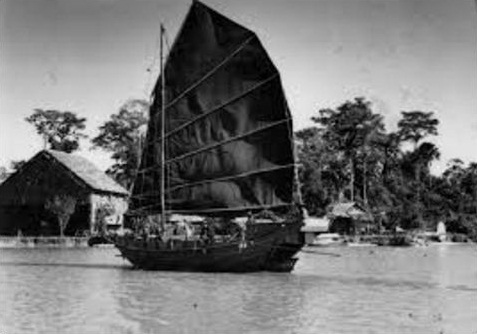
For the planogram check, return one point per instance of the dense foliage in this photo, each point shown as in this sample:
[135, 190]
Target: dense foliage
[349, 155]
[123, 135]
[61, 130]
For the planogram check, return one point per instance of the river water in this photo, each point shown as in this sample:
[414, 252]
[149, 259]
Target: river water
[341, 290]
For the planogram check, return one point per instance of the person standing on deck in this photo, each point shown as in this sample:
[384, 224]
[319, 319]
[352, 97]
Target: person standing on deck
[211, 232]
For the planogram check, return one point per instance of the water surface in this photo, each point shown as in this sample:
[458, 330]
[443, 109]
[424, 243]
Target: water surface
[342, 290]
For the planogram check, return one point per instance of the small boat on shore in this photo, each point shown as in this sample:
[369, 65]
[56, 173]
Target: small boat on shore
[99, 240]
[327, 240]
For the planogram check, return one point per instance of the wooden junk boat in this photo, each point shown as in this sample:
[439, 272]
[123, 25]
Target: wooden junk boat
[219, 145]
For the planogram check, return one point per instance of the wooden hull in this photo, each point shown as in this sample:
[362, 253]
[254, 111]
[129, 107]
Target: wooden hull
[269, 247]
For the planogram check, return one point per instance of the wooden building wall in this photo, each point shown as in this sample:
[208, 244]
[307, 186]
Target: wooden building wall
[24, 194]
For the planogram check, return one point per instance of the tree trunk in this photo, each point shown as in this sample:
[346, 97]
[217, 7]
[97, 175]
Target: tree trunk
[62, 226]
[352, 179]
[417, 178]
[365, 180]
[63, 221]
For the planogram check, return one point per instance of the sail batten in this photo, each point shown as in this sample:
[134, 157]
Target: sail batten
[155, 208]
[220, 107]
[228, 140]
[222, 143]
[227, 178]
[209, 74]
[218, 144]
[237, 209]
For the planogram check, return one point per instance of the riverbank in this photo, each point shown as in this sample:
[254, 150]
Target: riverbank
[407, 239]
[49, 242]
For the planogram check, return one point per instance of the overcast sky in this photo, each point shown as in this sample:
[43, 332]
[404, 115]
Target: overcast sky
[90, 56]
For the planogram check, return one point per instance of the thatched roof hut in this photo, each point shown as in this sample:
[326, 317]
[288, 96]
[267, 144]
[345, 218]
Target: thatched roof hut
[33, 199]
[349, 218]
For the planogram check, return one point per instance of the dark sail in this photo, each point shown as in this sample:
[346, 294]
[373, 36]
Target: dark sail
[228, 129]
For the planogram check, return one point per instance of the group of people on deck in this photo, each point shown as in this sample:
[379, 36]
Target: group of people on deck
[211, 229]
[206, 232]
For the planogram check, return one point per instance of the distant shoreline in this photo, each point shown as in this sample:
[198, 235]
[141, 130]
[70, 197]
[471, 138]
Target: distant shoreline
[40, 242]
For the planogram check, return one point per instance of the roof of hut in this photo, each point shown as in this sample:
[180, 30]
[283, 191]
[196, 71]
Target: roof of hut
[350, 210]
[87, 172]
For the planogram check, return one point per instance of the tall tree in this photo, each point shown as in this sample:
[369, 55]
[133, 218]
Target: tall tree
[61, 130]
[425, 154]
[123, 136]
[416, 125]
[352, 128]
[459, 197]
[321, 173]
[391, 158]
[413, 128]
[469, 185]
[454, 171]
[453, 175]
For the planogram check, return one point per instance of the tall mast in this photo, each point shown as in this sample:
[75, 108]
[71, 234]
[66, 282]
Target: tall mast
[163, 146]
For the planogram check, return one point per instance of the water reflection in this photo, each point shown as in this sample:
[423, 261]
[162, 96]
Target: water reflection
[178, 302]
